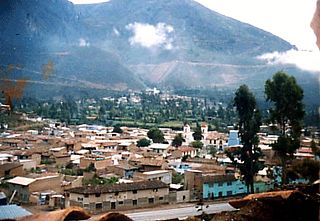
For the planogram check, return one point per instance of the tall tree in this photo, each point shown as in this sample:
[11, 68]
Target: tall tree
[156, 135]
[117, 129]
[177, 140]
[287, 112]
[197, 135]
[249, 124]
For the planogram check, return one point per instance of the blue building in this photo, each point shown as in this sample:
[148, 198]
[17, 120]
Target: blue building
[180, 167]
[233, 138]
[227, 185]
[222, 186]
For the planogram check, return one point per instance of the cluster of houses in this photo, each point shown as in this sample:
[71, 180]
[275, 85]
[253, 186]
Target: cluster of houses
[62, 166]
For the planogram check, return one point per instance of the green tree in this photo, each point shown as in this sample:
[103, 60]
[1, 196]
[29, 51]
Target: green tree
[156, 135]
[177, 140]
[212, 151]
[287, 112]
[177, 178]
[197, 144]
[117, 129]
[197, 135]
[144, 142]
[248, 125]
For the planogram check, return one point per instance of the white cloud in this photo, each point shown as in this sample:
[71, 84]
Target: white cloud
[83, 43]
[305, 60]
[149, 36]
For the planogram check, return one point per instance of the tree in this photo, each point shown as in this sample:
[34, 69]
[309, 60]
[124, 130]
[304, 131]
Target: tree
[177, 140]
[287, 112]
[197, 135]
[212, 151]
[144, 142]
[156, 135]
[177, 178]
[315, 149]
[306, 168]
[117, 129]
[248, 125]
[197, 144]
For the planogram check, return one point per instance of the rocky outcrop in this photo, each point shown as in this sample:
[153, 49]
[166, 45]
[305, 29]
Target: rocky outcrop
[290, 205]
[315, 23]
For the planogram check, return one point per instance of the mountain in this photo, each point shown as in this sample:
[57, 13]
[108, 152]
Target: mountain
[37, 35]
[131, 44]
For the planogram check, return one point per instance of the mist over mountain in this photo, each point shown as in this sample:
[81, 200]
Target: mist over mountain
[132, 44]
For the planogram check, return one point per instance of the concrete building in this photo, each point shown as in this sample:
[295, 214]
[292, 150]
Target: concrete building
[24, 186]
[119, 196]
[159, 148]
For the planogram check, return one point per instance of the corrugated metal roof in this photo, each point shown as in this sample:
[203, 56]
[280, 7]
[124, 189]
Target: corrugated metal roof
[13, 212]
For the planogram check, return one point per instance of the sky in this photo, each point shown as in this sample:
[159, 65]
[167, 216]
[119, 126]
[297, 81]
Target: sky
[288, 19]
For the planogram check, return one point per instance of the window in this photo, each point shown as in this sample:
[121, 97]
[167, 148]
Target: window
[116, 193]
[220, 184]
[155, 190]
[151, 200]
[134, 191]
[161, 198]
[80, 199]
[134, 202]
[184, 197]
[86, 205]
[120, 202]
[98, 205]
[229, 193]
[98, 194]
[229, 183]
[86, 195]
[220, 194]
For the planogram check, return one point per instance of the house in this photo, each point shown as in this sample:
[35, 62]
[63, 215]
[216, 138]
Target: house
[159, 148]
[11, 169]
[216, 139]
[100, 163]
[23, 187]
[162, 175]
[188, 151]
[28, 164]
[221, 186]
[125, 170]
[224, 185]
[148, 164]
[119, 196]
[193, 183]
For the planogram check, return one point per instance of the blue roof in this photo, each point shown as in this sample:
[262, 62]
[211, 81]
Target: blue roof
[13, 212]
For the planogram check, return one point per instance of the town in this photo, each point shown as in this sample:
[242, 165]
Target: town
[105, 168]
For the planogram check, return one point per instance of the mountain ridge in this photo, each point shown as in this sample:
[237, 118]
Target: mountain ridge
[132, 44]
